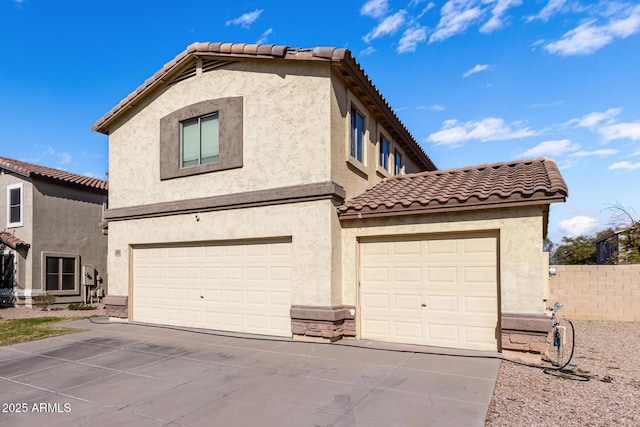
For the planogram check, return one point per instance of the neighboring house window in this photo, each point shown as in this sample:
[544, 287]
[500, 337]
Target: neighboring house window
[15, 205]
[398, 163]
[357, 135]
[384, 153]
[61, 273]
[7, 269]
[200, 140]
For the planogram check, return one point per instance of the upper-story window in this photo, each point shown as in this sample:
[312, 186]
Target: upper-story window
[200, 139]
[397, 163]
[15, 205]
[357, 135]
[384, 153]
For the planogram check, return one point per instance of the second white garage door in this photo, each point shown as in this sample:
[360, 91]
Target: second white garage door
[430, 291]
[237, 286]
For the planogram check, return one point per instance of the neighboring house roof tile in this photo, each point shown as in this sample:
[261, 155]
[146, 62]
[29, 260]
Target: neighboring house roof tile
[349, 69]
[64, 177]
[12, 241]
[522, 182]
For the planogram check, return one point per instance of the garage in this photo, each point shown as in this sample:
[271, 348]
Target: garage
[430, 290]
[238, 286]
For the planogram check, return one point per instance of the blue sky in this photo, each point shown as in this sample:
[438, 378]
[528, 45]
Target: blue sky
[475, 81]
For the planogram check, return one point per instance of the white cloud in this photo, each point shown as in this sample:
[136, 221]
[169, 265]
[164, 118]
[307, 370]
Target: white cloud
[456, 17]
[478, 68]
[637, 153]
[410, 39]
[426, 9]
[621, 131]
[578, 225]
[436, 107]
[588, 37]
[625, 166]
[597, 153]
[594, 119]
[368, 51]
[246, 19]
[496, 22]
[454, 134]
[551, 148]
[389, 25]
[264, 36]
[553, 7]
[375, 8]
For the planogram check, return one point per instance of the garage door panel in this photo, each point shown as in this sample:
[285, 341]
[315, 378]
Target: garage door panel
[456, 277]
[407, 275]
[236, 287]
[407, 301]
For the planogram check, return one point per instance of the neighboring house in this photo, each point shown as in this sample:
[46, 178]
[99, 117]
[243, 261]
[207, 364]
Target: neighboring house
[251, 190]
[612, 248]
[50, 239]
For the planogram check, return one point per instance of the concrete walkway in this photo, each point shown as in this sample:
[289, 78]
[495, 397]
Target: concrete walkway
[138, 375]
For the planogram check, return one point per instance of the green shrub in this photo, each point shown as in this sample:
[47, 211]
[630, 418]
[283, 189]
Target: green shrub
[44, 301]
[81, 306]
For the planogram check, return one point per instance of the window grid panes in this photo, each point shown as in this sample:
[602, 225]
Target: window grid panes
[15, 205]
[357, 135]
[200, 140]
[60, 273]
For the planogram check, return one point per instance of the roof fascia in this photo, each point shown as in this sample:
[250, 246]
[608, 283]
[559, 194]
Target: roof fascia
[367, 213]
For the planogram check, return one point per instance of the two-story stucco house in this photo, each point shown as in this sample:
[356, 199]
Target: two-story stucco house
[50, 239]
[272, 190]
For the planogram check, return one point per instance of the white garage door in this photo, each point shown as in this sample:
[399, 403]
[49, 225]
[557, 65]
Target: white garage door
[435, 291]
[240, 287]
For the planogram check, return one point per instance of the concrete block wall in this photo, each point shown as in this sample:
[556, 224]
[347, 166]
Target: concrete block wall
[597, 292]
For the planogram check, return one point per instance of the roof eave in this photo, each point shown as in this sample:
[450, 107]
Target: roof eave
[383, 211]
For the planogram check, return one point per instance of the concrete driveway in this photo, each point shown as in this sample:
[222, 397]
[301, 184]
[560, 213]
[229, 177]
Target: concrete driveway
[139, 375]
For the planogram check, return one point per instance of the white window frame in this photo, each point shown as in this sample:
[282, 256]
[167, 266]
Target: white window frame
[76, 285]
[9, 189]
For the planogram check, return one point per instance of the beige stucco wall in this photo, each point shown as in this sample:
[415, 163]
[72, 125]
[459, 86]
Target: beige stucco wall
[285, 133]
[308, 224]
[353, 176]
[522, 268]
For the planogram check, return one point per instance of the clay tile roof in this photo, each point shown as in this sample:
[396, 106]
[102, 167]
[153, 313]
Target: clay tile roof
[64, 177]
[12, 241]
[516, 183]
[351, 70]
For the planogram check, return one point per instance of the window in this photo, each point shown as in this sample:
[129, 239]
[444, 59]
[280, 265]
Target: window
[357, 135]
[14, 205]
[200, 140]
[7, 268]
[384, 153]
[61, 274]
[398, 163]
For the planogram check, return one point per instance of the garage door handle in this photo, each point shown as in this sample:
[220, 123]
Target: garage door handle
[423, 304]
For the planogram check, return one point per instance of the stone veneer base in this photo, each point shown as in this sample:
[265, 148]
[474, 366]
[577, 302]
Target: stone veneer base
[323, 323]
[117, 306]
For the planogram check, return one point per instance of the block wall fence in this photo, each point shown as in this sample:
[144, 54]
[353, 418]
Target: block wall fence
[597, 292]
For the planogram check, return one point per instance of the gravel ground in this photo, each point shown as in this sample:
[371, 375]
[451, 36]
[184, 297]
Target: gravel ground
[21, 312]
[607, 352]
